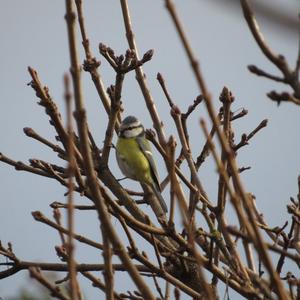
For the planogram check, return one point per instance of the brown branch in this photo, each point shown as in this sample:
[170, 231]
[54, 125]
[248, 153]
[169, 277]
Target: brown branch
[272, 247]
[8, 252]
[55, 290]
[57, 204]
[170, 152]
[89, 168]
[57, 218]
[259, 72]
[233, 196]
[158, 287]
[51, 109]
[162, 83]
[53, 170]
[120, 193]
[283, 97]
[99, 284]
[131, 220]
[246, 137]
[297, 67]
[227, 99]
[249, 256]
[187, 47]
[187, 153]
[108, 268]
[128, 234]
[38, 216]
[20, 166]
[39, 168]
[193, 189]
[241, 114]
[156, 250]
[205, 151]
[295, 210]
[242, 169]
[31, 133]
[74, 285]
[50, 168]
[91, 64]
[285, 247]
[192, 107]
[61, 267]
[120, 267]
[250, 224]
[184, 116]
[253, 26]
[140, 76]
[289, 76]
[42, 92]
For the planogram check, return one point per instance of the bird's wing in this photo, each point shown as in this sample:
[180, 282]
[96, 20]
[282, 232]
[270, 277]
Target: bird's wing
[146, 149]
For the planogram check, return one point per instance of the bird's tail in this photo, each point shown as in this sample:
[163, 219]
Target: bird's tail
[158, 195]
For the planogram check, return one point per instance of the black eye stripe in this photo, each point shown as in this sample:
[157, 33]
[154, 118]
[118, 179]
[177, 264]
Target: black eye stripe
[131, 127]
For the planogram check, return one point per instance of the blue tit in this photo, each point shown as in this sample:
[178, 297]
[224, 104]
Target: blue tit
[134, 156]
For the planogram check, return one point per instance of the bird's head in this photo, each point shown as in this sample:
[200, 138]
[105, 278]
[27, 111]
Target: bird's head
[131, 127]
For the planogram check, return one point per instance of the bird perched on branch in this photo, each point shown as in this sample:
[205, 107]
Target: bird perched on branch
[135, 157]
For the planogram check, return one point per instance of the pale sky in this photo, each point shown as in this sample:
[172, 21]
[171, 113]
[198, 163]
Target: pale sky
[33, 33]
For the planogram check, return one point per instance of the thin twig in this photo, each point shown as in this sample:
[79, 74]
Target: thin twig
[57, 204]
[290, 77]
[91, 64]
[272, 247]
[246, 137]
[74, 285]
[31, 133]
[55, 290]
[108, 268]
[141, 78]
[20, 166]
[61, 267]
[187, 153]
[170, 152]
[99, 284]
[57, 218]
[38, 216]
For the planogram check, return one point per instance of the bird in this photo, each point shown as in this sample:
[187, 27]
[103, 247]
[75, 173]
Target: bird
[135, 158]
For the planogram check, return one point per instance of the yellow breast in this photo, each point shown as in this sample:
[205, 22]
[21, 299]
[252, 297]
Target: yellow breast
[132, 161]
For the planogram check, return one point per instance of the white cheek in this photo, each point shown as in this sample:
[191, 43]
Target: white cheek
[133, 132]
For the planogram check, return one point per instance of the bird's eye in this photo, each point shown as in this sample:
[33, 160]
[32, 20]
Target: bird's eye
[133, 127]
